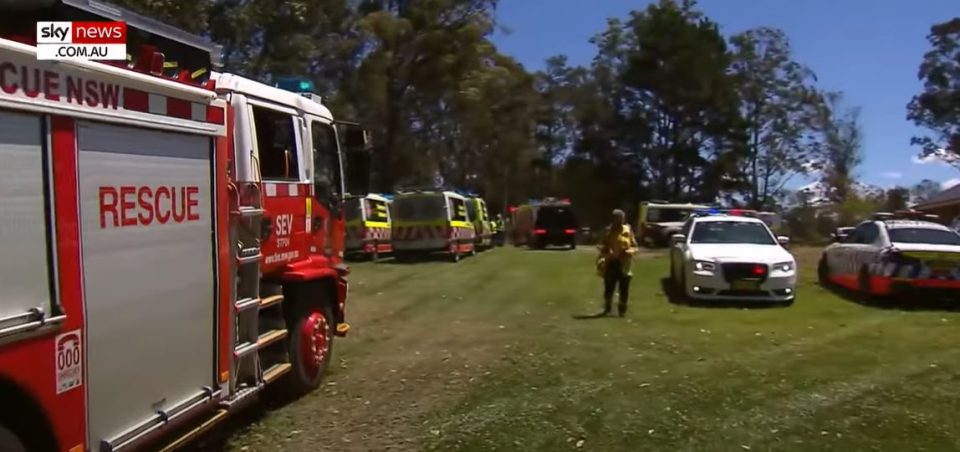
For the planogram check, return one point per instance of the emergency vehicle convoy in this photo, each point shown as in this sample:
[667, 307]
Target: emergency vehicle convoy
[724, 255]
[430, 220]
[482, 226]
[895, 253]
[369, 225]
[178, 241]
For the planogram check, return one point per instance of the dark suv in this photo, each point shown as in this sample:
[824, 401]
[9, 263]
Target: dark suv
[555, 225]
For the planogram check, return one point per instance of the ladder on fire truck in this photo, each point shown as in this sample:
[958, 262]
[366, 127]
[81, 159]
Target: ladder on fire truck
[260, 327]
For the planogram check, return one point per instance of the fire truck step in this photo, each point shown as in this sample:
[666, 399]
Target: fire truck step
[249, 252]
[246, 260]
[250, 212]
[270, 301]
[270, 337]
[247, 303]
[186, 438]
[245, 349]
[240, 397]
[276, 371]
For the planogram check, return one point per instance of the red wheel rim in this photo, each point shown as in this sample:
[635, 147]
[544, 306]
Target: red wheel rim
[314, 345]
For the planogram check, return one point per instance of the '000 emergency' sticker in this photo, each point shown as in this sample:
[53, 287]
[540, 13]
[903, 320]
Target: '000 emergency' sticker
[69, 363]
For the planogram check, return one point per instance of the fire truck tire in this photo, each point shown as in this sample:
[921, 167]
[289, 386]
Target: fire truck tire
[23, 425]
[311, 346]
[375, 255]
[10, 442]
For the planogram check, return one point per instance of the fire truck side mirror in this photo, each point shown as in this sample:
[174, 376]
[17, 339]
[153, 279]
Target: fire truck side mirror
[356, 145]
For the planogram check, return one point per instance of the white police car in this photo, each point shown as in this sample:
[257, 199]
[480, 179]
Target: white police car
[893, 254]
[721, 255]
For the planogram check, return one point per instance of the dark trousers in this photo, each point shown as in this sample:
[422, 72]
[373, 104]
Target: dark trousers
[612, 278]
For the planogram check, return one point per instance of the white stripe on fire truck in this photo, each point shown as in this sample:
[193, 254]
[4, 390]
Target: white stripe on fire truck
[157, 104]
[270, 190]
[292, 190]
[144, 102]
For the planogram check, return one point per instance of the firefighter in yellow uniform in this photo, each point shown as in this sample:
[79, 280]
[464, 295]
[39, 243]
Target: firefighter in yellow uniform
[616, 255]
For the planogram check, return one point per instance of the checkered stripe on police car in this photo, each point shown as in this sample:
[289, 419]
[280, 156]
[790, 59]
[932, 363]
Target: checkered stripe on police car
[912, 271]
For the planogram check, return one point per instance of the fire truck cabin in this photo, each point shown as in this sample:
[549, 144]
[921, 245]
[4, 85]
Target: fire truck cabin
[142, 204]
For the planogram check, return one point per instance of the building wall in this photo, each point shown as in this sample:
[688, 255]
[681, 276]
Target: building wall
[946, 213]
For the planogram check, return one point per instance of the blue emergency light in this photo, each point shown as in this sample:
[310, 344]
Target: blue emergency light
[296, 85]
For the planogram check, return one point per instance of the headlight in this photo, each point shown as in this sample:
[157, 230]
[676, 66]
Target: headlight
[783, 266]
[704, 266]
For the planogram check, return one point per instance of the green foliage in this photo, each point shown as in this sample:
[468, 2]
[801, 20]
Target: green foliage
[937, 108]
[779, 106]
[897, 198]
[669, 107]
[855, 209]
[924, 190]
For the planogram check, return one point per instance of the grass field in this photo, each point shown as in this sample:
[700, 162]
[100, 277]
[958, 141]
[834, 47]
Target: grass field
[486, 355]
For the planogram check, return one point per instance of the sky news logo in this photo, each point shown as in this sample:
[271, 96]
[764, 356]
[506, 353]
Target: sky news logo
[81, 41]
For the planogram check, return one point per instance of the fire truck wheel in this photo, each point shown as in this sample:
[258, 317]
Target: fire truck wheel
[311, 344]
[375, 255]
[10, 442]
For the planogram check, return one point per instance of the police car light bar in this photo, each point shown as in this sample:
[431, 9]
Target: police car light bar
[881, 216]
[931, 217]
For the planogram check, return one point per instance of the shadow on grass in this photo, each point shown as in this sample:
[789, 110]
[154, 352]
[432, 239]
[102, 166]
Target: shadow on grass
[908, 302]
[675, 297]
[599, 315]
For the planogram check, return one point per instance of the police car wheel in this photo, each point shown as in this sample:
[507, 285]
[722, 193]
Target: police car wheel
[864, 278]
[823, 273]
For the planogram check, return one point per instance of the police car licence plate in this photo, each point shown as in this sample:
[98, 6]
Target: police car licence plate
[745, 284]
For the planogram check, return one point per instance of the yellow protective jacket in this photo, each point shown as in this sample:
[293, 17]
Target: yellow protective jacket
[619, 244]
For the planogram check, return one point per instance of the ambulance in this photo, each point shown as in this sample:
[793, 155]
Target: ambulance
[173, 239]
[369, 226]
[482, 224]
[432, 221]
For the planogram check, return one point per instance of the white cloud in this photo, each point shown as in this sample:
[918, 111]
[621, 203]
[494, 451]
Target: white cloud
[892, 174]
[941, 156]
[950, 183]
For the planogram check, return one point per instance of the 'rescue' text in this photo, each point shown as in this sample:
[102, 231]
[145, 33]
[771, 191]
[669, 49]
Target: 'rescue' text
[34, 82]
[143, 206]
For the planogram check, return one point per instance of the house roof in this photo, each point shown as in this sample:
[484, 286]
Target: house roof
[944, 198]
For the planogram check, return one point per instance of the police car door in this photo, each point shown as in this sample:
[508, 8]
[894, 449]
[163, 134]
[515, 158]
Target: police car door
[861, 250]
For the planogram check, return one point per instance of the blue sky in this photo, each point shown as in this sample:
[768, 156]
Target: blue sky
[869, 49]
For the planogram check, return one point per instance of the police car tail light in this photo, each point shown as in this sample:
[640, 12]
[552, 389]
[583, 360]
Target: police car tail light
[540, 231]
[569, 231]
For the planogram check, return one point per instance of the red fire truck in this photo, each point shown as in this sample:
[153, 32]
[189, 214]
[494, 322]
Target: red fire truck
[172, 239]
